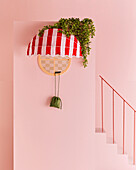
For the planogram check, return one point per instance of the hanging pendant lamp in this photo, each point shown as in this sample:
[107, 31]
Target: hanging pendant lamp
[54, 51]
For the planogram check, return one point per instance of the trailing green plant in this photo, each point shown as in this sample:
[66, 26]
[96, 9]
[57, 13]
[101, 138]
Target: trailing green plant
[83, 30]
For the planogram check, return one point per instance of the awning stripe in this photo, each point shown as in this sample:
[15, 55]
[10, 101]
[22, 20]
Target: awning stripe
[36, 45]
[58, 42]
[71, 46]
[33, 44]
[54, 43]
[44, 42]
[75, 46]
[49, 41]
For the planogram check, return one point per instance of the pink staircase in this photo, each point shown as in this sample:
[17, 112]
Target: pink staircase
[108, 154]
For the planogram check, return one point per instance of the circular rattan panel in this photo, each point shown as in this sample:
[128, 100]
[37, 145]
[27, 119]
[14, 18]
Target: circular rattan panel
[50, 64]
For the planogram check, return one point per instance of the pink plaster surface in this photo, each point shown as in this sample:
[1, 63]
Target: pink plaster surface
[44, 137]
[115, 61]
[107, 156]
[115, 56]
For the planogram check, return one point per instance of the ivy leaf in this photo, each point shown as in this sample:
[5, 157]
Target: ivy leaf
[83, 30]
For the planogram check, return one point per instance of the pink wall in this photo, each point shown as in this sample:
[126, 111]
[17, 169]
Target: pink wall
[115, 61]
[44, 137]
[40, 10]
[115, 49]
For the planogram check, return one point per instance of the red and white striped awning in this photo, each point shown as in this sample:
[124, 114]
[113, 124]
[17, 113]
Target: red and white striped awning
[54, 43]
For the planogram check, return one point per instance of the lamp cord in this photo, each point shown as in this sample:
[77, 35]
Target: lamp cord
[58, 85]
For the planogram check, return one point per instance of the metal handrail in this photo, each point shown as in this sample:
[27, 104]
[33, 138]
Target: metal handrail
[116, 92]
[124, 101]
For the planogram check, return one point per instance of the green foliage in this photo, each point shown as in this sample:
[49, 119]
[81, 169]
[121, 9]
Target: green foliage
[81, 29]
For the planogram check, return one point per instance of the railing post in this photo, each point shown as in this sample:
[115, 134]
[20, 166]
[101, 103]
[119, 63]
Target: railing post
[113, 113]
[134, 141]
[102, 101]
[123, 126]
[124, 102]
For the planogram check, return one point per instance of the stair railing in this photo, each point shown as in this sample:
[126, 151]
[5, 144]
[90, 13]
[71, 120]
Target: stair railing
[124, 102]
